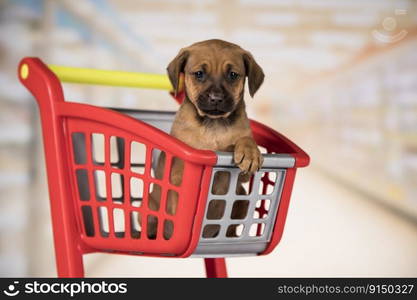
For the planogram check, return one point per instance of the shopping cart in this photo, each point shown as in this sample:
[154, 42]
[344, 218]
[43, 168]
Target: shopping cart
[101, 169]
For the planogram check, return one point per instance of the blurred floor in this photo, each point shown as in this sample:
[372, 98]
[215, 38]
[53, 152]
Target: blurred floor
[330, 232]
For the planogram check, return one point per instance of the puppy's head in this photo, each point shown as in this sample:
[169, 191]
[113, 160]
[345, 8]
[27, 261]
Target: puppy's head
[215, 73]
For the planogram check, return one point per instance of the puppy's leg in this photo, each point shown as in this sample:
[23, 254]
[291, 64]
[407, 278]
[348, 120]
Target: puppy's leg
[172, 198]
[249, 159]
[177, 171]
[154, 202]
[247, 155]
[239, 210]
[154, 198]
[221, 183]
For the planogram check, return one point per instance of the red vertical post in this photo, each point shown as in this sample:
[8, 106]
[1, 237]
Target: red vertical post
[215, 267]
[46, 88]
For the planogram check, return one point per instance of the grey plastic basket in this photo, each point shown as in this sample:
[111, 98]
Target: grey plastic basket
[247, 242]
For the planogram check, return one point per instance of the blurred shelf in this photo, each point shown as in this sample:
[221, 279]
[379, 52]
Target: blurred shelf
[17, 179]
[406, 139]
[374, 184]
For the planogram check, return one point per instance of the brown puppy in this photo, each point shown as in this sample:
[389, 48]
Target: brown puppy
[213, 116]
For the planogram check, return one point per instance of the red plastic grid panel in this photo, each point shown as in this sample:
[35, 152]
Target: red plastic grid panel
[88, 202]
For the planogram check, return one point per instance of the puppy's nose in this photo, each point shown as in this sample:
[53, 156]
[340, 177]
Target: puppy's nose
[215, 98]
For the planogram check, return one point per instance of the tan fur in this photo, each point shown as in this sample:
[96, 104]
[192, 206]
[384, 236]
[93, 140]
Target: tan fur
[216, 57]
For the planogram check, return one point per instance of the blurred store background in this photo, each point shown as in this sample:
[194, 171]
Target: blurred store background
[341, 81]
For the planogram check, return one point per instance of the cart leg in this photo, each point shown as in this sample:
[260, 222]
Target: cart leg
[215, 267]
[68, 253]
[69, 262]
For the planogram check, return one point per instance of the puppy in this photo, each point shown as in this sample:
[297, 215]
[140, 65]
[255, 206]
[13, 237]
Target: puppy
[213, 117]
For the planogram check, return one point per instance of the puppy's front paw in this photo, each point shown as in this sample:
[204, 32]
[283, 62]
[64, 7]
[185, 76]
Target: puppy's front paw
[248, 158]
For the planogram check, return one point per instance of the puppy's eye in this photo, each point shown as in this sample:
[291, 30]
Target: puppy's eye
[233, 76]
[199, 75]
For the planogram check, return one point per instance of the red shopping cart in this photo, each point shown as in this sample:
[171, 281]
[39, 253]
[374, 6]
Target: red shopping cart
[101, 169]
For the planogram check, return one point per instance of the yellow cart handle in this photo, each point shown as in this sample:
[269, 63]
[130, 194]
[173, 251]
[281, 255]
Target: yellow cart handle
[113, 78]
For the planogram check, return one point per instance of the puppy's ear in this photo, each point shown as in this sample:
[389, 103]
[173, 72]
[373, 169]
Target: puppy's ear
[254, 73]
[175, 67]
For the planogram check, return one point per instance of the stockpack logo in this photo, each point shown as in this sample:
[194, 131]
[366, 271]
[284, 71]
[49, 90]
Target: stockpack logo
[12, 290]
[65, 288]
